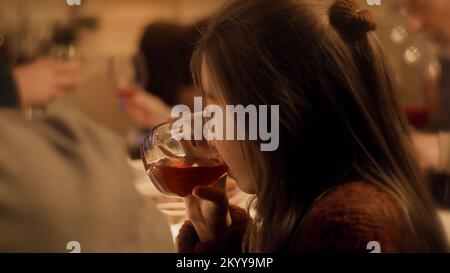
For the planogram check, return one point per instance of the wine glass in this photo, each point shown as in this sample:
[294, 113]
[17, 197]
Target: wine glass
[126, 74]
[176, 165]
[177, 160]
[172, 207]
[122, 73]
[414, 59]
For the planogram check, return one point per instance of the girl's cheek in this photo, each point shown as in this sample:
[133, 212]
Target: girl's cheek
[223, 155]
[227, 154]
[231, 156]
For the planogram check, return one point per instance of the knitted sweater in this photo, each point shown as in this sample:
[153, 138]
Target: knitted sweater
[347, 219]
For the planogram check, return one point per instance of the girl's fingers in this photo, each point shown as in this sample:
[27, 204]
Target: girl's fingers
[191, 203]
[216, 192]
[211, 194]
[193, 210]
[189, 200]
[221, 183]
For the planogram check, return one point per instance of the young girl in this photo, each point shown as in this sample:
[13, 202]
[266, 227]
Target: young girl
[344, 174]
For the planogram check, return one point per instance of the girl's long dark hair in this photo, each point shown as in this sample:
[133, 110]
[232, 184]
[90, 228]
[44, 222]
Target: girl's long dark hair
[340, 120]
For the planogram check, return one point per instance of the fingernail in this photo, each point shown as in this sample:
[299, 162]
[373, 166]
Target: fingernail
[194, 192]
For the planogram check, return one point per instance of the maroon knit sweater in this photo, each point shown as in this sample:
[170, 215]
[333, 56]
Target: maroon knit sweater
[345, 220]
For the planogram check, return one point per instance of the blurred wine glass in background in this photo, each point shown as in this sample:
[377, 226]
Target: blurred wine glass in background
[128, 76]
[415, 62]
[123, 75]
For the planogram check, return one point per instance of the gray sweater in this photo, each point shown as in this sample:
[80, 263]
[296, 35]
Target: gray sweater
[65, 179]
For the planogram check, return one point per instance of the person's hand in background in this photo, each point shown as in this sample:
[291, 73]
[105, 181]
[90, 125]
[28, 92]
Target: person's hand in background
[428, 150]
[46, 79]
[143, 109]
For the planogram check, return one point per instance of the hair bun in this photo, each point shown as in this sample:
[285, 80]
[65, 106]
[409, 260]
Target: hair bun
[348, 18]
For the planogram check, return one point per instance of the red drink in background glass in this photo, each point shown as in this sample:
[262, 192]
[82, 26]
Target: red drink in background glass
[418, 116]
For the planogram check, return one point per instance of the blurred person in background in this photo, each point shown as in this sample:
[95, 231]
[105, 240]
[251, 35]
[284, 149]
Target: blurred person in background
[432, 17]
[343, 137]
[36, 83]
[64, 178]
[166, 50]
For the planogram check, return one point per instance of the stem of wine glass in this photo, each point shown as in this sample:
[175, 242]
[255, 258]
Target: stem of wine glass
[175, 213]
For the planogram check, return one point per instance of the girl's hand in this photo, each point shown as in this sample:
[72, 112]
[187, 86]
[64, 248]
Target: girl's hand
[427, 150]
[207, 209]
